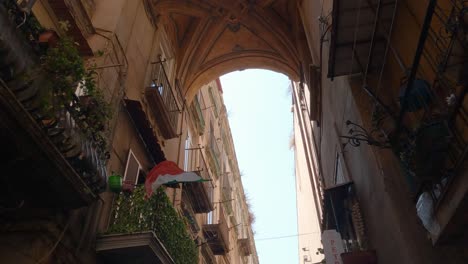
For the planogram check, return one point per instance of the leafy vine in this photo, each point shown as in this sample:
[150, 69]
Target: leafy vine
[133, 213]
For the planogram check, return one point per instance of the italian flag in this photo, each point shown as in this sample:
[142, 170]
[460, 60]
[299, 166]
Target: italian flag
[167, 172]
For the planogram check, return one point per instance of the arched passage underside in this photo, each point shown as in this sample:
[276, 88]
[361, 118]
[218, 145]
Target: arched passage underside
[214, 37]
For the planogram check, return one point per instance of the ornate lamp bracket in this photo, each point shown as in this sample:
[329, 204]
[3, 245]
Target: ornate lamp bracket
[358, 134]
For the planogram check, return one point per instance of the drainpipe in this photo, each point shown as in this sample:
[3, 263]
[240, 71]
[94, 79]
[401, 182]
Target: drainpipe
[416, 60]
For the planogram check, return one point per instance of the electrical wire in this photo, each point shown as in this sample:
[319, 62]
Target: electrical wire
[287, 236]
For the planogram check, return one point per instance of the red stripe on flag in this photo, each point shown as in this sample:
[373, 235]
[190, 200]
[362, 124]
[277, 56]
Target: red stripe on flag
[164, 167]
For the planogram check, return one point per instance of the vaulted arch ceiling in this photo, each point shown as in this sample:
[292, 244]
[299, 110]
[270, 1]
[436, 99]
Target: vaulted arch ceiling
[214, 37]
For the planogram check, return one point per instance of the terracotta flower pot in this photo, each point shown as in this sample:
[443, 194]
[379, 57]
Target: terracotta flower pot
[49, 37]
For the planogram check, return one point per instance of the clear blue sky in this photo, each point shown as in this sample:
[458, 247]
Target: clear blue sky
[258, 105]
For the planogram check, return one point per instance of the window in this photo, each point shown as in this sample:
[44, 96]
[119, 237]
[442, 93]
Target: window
[133, 170]
[166, 56]
[197, 109]
[213, 101]
[187, 153]
[209, 216]
[339, 174]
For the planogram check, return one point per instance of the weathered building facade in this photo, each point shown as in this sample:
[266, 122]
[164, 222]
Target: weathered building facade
[91, 102]
[386, 96]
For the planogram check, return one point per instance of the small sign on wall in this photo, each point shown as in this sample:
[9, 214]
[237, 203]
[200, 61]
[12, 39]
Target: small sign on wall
[332, 246]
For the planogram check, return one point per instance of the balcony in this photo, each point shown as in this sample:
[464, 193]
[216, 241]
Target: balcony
[430, 134]
[359, 35]
[217, 235]
[56, 156]
[150, 229]
[162, 102]
[341, 206]
[244, 246]
[426, 125]
[213, 154]
[199, 194]
[189, 214]
[144, 247]
[207, 254]
[226, 195]
[197, 116]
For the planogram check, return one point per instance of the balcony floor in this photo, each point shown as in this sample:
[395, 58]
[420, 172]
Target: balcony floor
[35, 172]
[142, 247]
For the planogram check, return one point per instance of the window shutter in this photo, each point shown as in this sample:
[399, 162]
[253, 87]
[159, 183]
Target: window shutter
[132, 169]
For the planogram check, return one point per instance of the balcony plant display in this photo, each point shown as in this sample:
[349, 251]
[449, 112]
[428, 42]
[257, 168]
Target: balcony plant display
[62, 71]
[419, 96]
[132, 213]
[423, 153]
[43, 77]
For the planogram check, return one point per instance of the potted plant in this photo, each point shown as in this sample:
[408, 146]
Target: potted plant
[431, 147]
[62, 74]
[48, 37]
[418, 97]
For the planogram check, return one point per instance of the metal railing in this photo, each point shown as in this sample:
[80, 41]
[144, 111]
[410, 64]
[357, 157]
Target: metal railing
[65, 122]
[223, 226]
[195, 162]
[197, 114]
[189, 214]
[133, 213]
[432, 118]
[215, 152]
[160, 81]
[200, 195]
[86, 152]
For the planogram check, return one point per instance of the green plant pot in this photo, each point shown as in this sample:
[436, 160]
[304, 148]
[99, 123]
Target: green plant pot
[115, 183]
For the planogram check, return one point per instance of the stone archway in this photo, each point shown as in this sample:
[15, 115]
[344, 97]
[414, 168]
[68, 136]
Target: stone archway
[214, 37]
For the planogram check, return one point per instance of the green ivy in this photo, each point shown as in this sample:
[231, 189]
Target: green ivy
[133, 213]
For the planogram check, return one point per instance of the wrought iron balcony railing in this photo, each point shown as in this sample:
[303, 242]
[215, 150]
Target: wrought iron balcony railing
[73, 143]
[199, 194]
[244, 246]
[212, 150]
[207, 254]
[423, 117]
[189, 214]
[432, 119]
[86, 151]
[162, 101]
[217, 235]
[197, 115]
